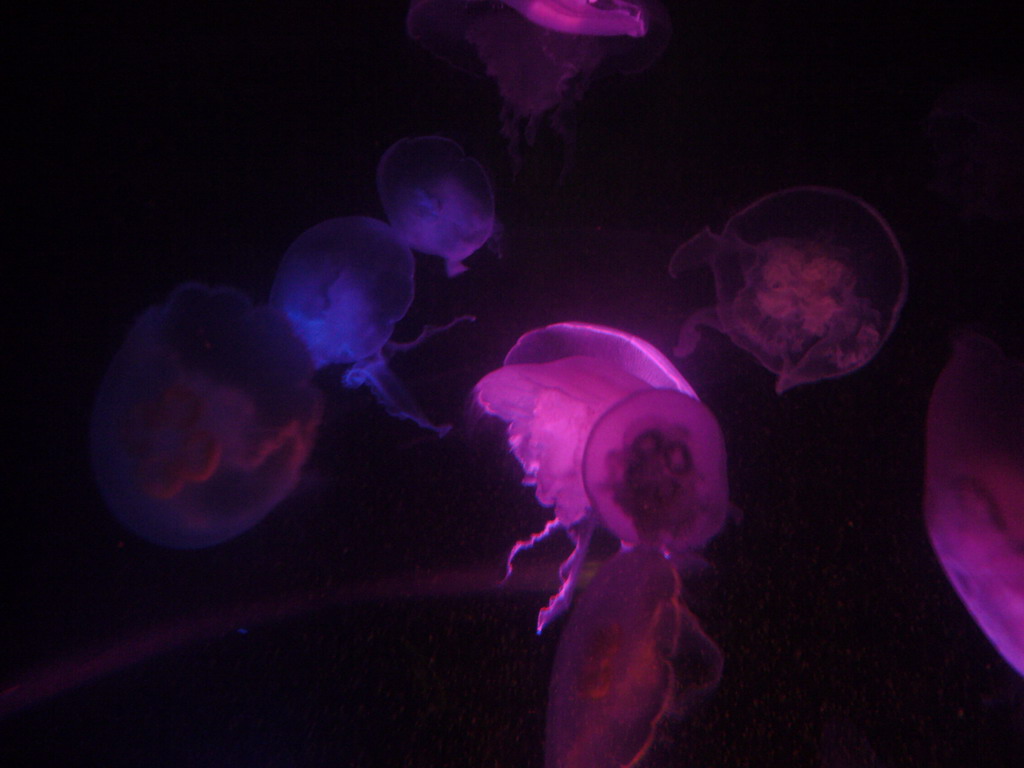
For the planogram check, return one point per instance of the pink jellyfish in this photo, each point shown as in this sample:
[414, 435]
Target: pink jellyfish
[809, 280]
[555, 385]
[436, 198]
[542, 54]
[614, 676]
[974, 487]
[204, 418]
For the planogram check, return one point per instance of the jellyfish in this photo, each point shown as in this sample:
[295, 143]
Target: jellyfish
[976, 129]
[436, 198]
[614, 679]
[204, 418]
[556, 383]
[654, 471]
[974, 487]
[344, 284]
[542, 54]
[809, 280]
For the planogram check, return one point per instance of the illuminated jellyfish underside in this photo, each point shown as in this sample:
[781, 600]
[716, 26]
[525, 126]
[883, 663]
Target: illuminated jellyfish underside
[974, 487]
[555, 383]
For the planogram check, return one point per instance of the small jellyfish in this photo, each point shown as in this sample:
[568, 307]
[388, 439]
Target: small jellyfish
[614, 679]
[976, 129]
[542, 54]
[809, 280]
[436, 198]
[974, 487]
[554, 386]
[344, 284]
[204, 418]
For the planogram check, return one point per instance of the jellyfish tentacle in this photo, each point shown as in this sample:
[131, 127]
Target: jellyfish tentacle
[428, 330]
[568, 572]
[390, 392]
[689, 334]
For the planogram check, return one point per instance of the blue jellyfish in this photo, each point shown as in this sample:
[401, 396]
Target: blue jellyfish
[974, 487]
[542, 54]
[809, 280]
[436, 198]
[344, 284]
[204, 418]
[556, 384]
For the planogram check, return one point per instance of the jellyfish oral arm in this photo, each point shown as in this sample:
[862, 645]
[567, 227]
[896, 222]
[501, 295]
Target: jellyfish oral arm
[583, 17]
[429, 330]
[390, 392]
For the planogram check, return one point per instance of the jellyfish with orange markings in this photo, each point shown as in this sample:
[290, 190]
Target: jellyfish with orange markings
[808, 280]
[204, 418]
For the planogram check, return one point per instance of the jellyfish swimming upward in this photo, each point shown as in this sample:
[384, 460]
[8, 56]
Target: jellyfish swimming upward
[974, 487]
[204, 418]
[542, 54]
[344, 284]
[558, 384]
[437, 199]
[809, 280]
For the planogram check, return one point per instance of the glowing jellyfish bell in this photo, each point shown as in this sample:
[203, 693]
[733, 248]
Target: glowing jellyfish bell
[542, 54]
[204, 418]
[655, 472]
[974, 487]
[436, 198]
[555, 384]
[809, 280]
[344, 284]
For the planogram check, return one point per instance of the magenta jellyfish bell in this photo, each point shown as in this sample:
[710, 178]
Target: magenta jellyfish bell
[436, 198]
[542, 54]
[974, 487]
[557, 386]
[654, 471]
[204, 418]
[809, 280]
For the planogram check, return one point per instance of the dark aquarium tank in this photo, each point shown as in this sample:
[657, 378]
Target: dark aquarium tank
[514, 384]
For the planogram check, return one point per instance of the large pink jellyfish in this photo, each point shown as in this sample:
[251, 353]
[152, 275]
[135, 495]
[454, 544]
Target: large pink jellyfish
[557, 383]
[809, 280]
[204, 418]
[974, 487]
[542, 54]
